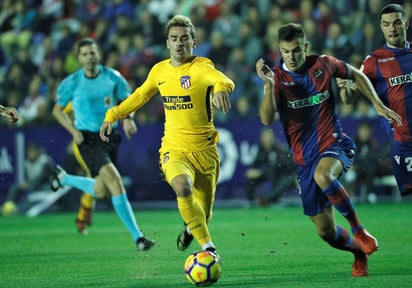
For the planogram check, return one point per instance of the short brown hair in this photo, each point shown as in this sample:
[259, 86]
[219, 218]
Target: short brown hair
[180, 21]
[392, 8]
[85, 42]
[290, 31]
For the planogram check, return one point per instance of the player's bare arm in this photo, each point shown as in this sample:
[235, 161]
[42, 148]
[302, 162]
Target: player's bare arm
[9, 113]
[105, 130]
[129, 127]
[67, 123]
[222, 101]
[365, 86]
[267, 108]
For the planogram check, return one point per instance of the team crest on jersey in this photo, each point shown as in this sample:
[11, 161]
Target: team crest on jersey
[107, 101]
[318, 73]
[165, 157]
[185, 82]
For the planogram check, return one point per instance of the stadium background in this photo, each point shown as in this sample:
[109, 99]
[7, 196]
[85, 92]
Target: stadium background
[37, 39]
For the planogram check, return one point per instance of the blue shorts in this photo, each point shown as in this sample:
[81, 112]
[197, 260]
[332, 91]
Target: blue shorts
[402, 165]
[313, 199]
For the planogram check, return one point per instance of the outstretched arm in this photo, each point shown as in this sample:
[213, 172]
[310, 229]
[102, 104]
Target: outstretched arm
[267, 108]
[9, 113]
[222, 101]
[364, 85]
[127, 108]
[223, 86]
[121, 111]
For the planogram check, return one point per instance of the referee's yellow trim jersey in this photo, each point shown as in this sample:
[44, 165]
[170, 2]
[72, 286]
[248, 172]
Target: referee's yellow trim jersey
[186, 93]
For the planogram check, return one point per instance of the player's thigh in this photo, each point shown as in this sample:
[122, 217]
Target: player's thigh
[111, 179]
[327, 170]
[173, 164]
[100, 189]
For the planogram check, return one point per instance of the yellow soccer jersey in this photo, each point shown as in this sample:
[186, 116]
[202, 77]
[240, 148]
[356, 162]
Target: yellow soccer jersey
[186, 93]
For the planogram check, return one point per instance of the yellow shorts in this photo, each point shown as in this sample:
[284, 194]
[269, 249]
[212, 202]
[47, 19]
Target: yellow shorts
[202, 167]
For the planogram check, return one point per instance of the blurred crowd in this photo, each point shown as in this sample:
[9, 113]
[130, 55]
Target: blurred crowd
[37, 38]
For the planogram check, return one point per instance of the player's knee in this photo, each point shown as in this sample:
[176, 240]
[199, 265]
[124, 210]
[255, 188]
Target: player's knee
[182, 190]
[327, 234]
[323, 178]
[182, 185]
[102, 193]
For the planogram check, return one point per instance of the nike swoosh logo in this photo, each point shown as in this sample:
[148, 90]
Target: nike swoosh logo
[160, 83]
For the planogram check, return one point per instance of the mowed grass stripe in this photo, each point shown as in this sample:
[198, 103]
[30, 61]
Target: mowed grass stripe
[260, 247]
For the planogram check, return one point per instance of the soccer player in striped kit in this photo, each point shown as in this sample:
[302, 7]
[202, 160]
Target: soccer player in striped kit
[190, 87]
[299, 89]
[390, 70]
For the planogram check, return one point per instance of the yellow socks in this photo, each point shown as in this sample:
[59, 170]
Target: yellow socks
[86, 201]
[194, 216]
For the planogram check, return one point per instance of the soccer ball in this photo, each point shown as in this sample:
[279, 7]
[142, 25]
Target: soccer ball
[9, 208]
[202, 268]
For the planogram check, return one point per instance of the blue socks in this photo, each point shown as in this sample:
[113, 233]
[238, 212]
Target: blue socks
[124, 210]
[339, 198]
[120, 203]
[82, 183]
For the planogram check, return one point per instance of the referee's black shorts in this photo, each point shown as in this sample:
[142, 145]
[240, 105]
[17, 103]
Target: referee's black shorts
[97, 153]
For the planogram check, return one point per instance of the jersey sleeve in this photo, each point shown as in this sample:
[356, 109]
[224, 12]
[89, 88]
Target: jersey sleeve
[217, 79]
[64, 92]
[134, 101]
[369, 67]
[336, 67]
[122, 88]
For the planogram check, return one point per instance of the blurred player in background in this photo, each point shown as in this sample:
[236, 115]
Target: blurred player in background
[299, 89]
[272, 167]
[9, 113]
[390, 71]
[189, 86]
[37, 169]
[92, 90]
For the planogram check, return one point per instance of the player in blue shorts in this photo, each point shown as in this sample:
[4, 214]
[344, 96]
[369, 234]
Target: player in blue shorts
[92, 90]
[390, 70]
[299, 89]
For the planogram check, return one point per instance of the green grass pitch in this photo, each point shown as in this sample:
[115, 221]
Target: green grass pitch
[259, 247]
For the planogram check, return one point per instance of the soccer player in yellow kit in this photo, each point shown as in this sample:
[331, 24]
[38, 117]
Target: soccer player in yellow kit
[189, 87]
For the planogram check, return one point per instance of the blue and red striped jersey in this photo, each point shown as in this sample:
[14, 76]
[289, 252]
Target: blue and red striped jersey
[306, 106]
[390, 71]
